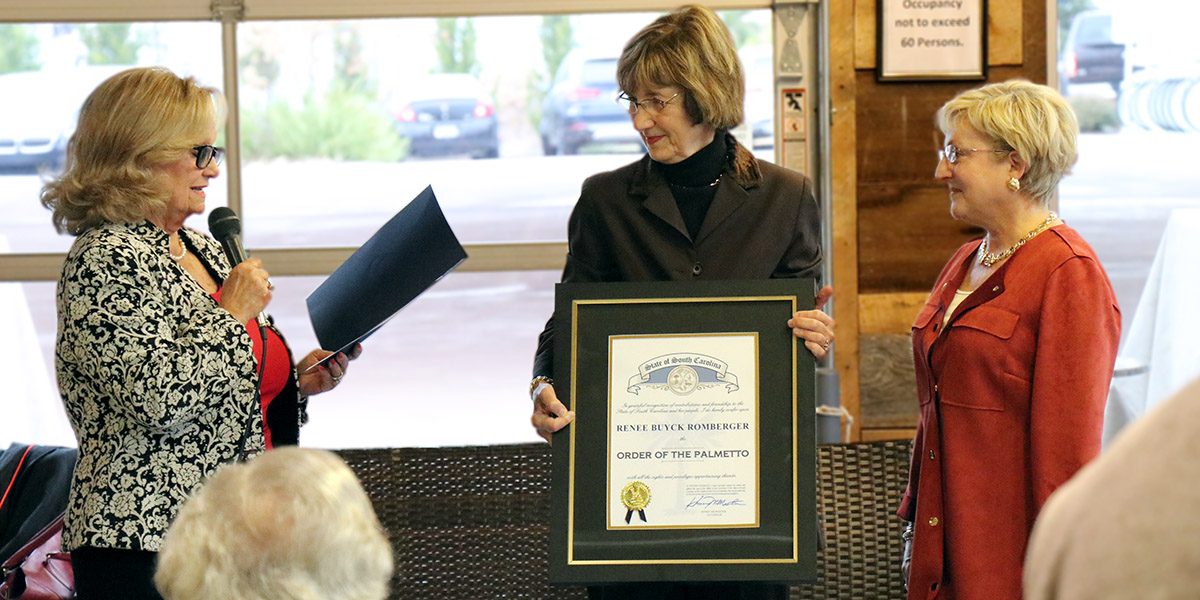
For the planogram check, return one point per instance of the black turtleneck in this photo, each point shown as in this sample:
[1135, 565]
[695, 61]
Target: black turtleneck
[693, 181]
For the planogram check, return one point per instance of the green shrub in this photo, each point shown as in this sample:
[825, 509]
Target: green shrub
[1096, 115]
[341, 124]
[19, 48]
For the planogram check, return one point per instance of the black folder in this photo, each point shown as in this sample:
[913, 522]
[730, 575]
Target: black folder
[404, 258]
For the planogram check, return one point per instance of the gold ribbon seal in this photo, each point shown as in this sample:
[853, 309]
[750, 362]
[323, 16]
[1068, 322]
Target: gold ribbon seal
[635, 496]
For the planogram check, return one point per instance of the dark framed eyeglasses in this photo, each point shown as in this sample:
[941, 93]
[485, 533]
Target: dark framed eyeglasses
[206, 154]
[952, 153]
[652, 106]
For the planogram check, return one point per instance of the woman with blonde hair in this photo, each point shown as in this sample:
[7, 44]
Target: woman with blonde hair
[1014, 348]
[157, 366]
[698, 206]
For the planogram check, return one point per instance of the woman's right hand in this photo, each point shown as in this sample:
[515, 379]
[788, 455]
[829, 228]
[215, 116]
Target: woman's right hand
[549, 415]
[247, 290]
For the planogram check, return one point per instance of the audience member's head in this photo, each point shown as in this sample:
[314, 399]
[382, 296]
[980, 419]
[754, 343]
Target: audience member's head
[1125, 526]
[293, 524]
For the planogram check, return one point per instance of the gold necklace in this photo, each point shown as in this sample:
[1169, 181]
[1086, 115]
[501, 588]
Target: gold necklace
[988, 260]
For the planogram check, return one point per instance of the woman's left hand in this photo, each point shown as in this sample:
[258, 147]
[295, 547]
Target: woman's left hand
[815, 327]
[327, 376]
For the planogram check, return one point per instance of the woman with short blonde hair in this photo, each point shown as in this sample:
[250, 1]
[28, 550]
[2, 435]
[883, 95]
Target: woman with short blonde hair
[1013, 350]
[1018, 115]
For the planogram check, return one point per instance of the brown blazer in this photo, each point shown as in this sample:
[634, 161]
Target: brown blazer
[763, 223]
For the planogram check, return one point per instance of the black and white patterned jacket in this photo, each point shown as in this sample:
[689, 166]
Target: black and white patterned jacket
[158, 383]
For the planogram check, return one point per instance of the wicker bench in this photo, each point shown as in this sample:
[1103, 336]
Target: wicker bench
[470, 523]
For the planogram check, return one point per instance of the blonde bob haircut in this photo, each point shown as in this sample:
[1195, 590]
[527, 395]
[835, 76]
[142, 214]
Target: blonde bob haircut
[1018, 115]
[131, 126]
[292, 524]
[690, 48]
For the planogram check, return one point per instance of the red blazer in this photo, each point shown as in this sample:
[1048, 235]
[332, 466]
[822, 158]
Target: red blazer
[1012, 394]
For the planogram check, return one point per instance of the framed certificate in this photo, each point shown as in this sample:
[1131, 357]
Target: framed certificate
[691, 457]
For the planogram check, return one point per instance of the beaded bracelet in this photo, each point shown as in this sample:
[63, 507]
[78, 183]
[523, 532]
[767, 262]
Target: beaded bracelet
[540, 379]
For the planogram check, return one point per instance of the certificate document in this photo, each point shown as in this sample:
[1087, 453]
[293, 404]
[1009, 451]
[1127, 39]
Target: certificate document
[683, 431]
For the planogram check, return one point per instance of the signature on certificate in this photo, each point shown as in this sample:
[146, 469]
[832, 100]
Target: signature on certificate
[707, 501]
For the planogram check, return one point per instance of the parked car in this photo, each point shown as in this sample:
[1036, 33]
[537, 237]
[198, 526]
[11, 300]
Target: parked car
[447, 114]
[40, 109]
[1090, 55]
[582, 109]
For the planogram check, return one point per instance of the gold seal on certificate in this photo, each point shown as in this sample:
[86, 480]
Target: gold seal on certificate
[635, 496]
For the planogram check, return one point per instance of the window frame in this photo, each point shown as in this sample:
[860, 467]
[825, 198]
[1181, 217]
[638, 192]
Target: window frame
[501, 256]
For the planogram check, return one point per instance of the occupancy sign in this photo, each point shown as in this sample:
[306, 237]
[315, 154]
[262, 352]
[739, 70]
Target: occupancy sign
[931, 39]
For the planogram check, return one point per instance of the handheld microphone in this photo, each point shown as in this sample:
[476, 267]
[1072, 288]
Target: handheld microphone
[226, 228]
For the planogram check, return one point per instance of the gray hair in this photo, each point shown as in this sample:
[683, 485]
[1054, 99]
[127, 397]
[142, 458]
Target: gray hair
[291, 524]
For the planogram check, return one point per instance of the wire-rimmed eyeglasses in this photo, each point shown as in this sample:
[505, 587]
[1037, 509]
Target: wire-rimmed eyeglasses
[652, 106]
[952, 153]
[206, 154]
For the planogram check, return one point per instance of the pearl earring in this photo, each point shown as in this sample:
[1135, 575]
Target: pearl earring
[1014, 184]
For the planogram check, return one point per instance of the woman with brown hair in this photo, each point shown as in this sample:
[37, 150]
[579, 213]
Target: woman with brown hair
[698, 206]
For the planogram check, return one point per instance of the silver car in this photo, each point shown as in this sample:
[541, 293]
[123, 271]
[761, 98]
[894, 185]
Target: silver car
[582, 109]
[40, 109]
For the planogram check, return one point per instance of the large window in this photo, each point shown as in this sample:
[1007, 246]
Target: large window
[46, 71]
[1129, 76]
[344, 121]
[1134, 81]
[341, 123]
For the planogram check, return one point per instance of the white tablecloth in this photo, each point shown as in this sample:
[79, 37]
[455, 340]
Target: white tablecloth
[30, 409]
[1162, 350]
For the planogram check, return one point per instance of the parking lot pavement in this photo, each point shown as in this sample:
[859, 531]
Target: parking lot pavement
[1119, 197]
[512, 199]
